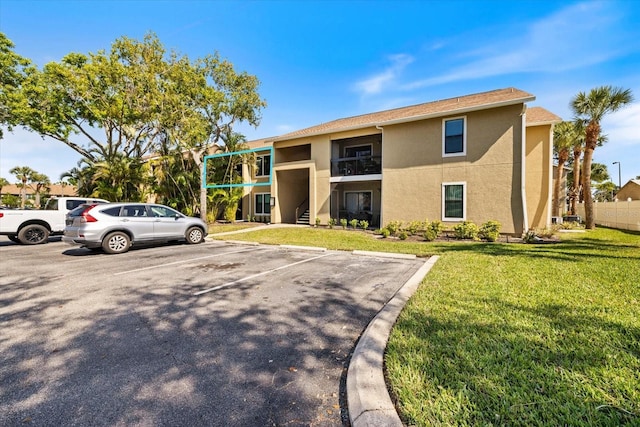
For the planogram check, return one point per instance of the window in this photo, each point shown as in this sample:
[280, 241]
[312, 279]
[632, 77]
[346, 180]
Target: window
[357, 202]
[263, 204]
[263, 165]
[454, 137]
[453, 201]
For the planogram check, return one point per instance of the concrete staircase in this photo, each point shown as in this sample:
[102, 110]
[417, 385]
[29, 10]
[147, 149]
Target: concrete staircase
[304, 218]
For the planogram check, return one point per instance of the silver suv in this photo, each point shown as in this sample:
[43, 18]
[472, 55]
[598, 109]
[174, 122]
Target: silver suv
[115, 227]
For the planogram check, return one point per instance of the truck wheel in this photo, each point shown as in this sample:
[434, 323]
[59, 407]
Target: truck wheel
[116, 243]
[13, 238]
[33, 234]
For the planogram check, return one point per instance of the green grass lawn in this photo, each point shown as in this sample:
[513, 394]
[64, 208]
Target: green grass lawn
[512, 334]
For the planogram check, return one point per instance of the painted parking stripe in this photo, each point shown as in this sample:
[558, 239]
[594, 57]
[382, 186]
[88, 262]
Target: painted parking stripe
[216, 288]
[183, 261]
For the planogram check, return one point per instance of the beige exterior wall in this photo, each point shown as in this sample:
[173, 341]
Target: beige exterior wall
[414, 169]
[538, 177]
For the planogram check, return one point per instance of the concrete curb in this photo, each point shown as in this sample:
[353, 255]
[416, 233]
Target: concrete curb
[304, 248]
[368, 399]
[385, 254]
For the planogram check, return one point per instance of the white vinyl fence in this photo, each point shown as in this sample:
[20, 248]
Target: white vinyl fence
[622, 214]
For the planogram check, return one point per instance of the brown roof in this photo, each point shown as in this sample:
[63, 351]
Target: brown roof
[54, 190]
[541, 116]
[478, 101]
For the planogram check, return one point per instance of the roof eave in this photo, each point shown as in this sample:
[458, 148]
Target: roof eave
[414, 118]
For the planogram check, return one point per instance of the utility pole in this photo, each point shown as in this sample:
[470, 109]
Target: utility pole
[619, 176]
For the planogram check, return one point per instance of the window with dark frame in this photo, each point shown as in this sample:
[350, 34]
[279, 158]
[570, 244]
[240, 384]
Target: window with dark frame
[453, 201]
[454, 139]
[263, 165]
[263, 204]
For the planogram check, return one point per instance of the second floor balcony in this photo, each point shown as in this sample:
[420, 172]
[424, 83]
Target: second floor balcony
[360, 165]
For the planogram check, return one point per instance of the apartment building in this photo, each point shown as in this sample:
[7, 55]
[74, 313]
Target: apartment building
[476, 157]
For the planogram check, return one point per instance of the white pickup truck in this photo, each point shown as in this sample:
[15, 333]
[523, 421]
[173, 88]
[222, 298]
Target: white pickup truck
[32, 227]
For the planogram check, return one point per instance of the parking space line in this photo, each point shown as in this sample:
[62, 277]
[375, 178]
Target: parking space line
[216, 288]
[183, 261]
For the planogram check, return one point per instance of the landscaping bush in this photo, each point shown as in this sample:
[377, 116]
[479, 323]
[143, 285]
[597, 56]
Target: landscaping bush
[364, 224]
[436, 226]
[353, 223]
[394, 227]
[466, 230]
[343, 223]
[384, 232]
[332, 222]
[414, 226]
[429, 235]
[490, 231]
[402, 235]
[317, 221]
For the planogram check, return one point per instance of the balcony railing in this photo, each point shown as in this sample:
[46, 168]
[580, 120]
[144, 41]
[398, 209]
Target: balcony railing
[361, 165]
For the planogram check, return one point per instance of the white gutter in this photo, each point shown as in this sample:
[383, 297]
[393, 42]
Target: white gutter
[523, 169]
[550, 198]
[381, 169]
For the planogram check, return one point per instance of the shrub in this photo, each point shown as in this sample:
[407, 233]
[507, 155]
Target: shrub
[384, 232]
[364, 224]
[332, 222]
[466, 230]
[343, 223]
[402, 235]
[394, 227]
[317, 221]
[436, 226]
[490, 231]
[413, 227]
[571, 225]
[353, 223]
[429, 235]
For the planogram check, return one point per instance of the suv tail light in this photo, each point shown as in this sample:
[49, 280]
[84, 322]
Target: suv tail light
[85, 217]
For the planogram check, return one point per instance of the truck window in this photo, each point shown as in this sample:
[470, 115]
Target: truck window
[52, 205]
[72, 204]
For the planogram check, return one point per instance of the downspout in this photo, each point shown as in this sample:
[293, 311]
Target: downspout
[381, 170]
[550, 198]
[523, 169]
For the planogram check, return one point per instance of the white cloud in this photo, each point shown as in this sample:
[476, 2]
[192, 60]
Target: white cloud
[575, 37]
[622, 126]
[379, 82]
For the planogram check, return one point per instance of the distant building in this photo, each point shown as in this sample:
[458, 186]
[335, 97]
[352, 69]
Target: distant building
[631, 190]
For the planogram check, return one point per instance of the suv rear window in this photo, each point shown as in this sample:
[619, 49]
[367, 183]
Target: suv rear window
[115, 211]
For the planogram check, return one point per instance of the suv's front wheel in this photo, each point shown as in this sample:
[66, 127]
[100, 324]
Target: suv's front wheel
[194, 235]
[117, 242]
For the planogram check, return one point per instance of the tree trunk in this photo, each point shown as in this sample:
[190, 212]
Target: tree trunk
[575, 188]
[588, 199]
[556, 186]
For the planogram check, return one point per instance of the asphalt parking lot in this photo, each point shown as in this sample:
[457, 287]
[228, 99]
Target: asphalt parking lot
[216, 334]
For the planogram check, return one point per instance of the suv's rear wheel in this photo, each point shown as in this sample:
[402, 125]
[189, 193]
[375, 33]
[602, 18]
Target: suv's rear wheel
[33, 234]
[116, 243]
[194, 235]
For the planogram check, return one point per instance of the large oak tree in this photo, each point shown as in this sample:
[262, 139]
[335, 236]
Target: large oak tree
[130, 101]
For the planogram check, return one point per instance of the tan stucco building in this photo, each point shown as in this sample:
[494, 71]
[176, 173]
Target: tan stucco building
[631, 190]
[477, 157]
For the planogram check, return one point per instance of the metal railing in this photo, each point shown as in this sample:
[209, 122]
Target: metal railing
[361, 165]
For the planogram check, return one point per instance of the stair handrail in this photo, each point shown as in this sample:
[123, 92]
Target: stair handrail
[305, 201]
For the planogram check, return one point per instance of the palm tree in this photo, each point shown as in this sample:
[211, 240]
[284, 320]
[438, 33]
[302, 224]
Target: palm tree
[592, 107]
[3, 183]
[41, 182]
[564, 137]
[24, 174]
[576, 185]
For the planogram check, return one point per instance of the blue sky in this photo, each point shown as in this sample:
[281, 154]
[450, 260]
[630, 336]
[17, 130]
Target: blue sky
[322, 60]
